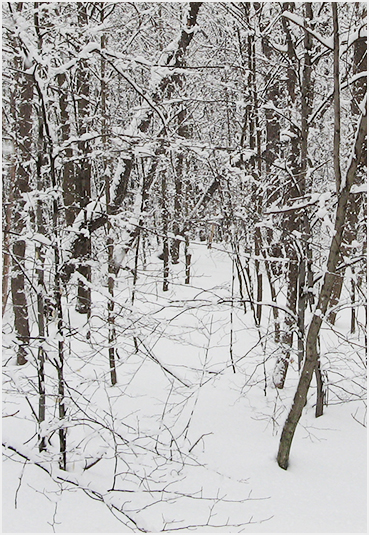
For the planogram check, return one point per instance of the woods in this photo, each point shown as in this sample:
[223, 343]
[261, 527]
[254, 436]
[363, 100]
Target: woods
[184, 203]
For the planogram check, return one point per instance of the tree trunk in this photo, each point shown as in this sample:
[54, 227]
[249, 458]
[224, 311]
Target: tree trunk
[68, 180]
[83, 172]
[7, 207]
[110, 240]
[252, 118]
[356, 201]
[40, 268]
[58, 361]
[336, 99]
[298, 166]
[319, 390]
[164, 216]
[187, 260]
[323, 301]
[174, 58]
[280, 371]
[23, 116]
[305, 275]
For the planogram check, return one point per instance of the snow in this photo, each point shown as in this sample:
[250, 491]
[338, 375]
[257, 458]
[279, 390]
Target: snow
[145, 150]
[83, 54]
[280, 48]
[354, 36]
[65, 67]
[300, 22]
[287, 135]
[221, 468]
[355, 78]
[41, 239]
[88, 49]
[157, 74]
[187, 438]
[141, 60]
[359, 188]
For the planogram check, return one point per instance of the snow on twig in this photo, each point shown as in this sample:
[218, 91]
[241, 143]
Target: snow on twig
[299, 21]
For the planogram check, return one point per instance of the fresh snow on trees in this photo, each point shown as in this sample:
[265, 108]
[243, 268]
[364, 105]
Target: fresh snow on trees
[184, 266]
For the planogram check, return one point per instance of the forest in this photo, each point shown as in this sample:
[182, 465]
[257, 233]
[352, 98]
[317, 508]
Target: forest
[184, 266]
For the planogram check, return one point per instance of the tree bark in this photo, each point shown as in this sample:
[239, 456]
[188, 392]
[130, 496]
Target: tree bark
[68, 178]
[305, 279]
[23, 116]
[83, 172]
[104, 91]
[290, 223]
[336, 98]
[7, 215]
[164, 218]
[280, 372]
[40, 257]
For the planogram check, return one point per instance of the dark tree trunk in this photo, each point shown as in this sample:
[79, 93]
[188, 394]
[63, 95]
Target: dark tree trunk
[305, 275]
[23, 118]
[298, 165]
[83, 172]
[7, 208]
[68, 178]
[188, 261]
[164, 217]
[104, 91]
[41, 161]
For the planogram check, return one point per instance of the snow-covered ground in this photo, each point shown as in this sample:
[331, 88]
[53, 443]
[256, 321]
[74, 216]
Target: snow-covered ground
[183, 442]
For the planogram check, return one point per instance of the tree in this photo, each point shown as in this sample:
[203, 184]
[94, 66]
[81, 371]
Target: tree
[140, 125]
[343, 187]
[359, 65]
[136, 129]
[299, 268]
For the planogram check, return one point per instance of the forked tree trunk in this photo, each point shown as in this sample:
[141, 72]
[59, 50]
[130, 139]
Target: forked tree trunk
[312, 354]
[356, 201]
